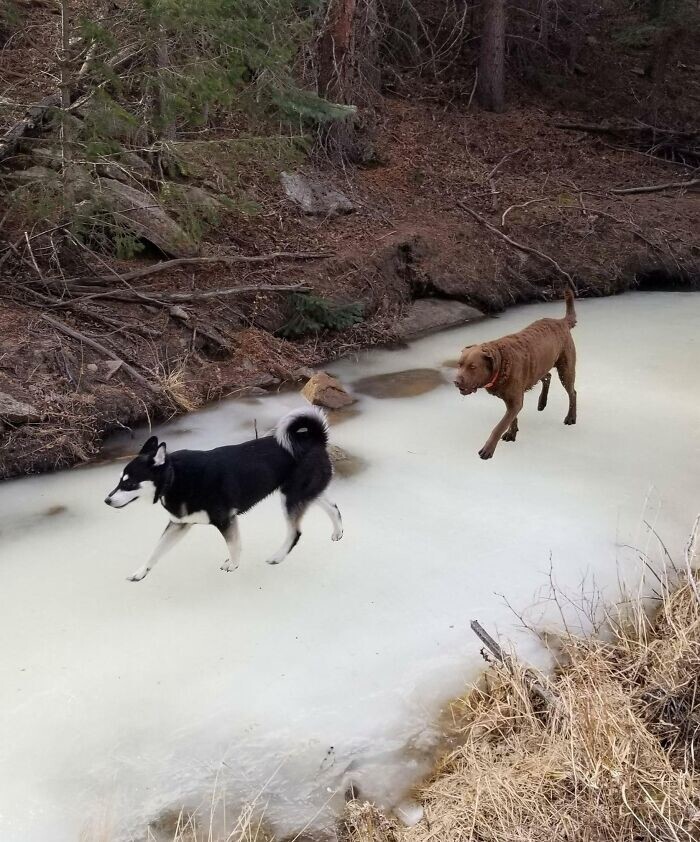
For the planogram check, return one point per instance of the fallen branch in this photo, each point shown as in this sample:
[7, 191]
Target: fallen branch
[136, 295]
[502, 161]
[215, 293]
[636, 230]
[520, 246]
[655, 188]
[502, 658]
[97, 346]
[229, 260]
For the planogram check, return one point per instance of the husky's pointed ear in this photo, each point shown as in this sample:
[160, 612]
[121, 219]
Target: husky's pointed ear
[159, 458]
[150, 448]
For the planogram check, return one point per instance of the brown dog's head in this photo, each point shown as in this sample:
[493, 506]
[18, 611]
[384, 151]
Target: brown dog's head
[478, 365]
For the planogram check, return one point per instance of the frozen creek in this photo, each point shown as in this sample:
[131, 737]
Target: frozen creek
[121, 701]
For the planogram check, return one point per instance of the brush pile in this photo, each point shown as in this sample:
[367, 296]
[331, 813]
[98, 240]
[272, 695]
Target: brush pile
[615, 757]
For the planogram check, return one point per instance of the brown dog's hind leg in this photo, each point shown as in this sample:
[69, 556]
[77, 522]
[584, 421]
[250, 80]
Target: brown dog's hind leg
[566, 369]
[544, 394]
[511, 432]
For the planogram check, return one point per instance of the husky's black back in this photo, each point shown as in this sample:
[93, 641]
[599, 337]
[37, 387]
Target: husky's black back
[233, 477]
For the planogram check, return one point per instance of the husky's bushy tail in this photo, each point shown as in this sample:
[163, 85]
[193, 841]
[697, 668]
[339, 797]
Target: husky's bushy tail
[570, 315]
[301, 430]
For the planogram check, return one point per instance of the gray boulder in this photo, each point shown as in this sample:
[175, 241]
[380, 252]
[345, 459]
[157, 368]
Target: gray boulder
[313, 196]
[429, 314]
[17, 412]
[124, 166]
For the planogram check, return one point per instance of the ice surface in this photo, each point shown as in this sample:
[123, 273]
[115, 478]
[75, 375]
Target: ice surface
[119, 701]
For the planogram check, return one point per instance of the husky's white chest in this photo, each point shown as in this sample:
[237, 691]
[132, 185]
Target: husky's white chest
[192, 517]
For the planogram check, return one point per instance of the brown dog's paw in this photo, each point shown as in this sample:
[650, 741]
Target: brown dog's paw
[568, 420]
[508, 436]
[486, 452]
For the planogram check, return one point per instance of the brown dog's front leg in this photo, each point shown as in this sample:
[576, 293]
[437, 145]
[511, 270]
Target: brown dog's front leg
[513, 407]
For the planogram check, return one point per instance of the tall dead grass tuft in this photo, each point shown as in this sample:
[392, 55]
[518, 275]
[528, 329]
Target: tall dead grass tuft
[616, 757]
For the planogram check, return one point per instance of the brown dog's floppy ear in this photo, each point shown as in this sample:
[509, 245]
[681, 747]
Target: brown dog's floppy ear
[493, 355]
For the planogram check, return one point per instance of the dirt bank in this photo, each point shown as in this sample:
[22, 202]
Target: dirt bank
[411, 236]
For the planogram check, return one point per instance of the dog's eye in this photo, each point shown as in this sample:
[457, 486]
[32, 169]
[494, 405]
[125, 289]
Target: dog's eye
[303, 430]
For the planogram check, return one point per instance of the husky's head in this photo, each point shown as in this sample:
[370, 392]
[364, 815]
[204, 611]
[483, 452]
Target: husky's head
[141, 477]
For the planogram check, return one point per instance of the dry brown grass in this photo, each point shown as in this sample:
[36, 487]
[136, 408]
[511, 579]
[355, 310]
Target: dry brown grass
[615, 758]
[203, 826]
[175, 384]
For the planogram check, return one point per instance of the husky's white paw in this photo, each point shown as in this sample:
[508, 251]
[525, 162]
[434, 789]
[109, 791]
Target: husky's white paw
[136, 577]
[229, 566]
[337, 535]
[276, 559]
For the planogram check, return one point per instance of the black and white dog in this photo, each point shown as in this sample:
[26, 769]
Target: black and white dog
[215, 486]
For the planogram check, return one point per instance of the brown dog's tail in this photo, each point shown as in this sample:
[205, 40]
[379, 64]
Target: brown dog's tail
[570, 316]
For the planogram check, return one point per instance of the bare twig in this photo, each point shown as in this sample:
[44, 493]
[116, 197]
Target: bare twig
[494, 195]
[521, 205]
[490, 643]
[31, 254]
[502, 161]
[476, 82]
[101, 349]
[520, 246]
[635, 228]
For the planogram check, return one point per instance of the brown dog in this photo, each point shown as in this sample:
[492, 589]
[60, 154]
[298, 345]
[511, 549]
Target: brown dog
[509, 366]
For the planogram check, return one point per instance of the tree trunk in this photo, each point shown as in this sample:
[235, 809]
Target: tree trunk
[65, 91]
[167, 127]
[545, 13]
[335, 50]
[490, 87]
